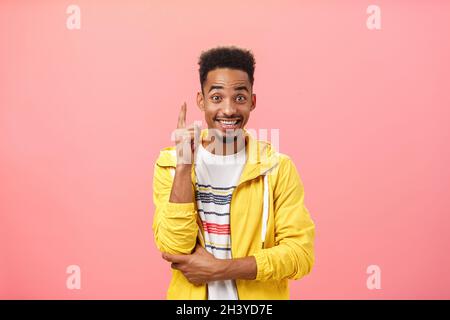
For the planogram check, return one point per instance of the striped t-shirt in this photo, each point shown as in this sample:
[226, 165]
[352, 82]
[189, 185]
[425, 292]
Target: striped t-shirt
[217, 177]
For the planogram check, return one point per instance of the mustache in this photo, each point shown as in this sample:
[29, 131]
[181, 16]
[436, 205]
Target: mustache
[232, 117]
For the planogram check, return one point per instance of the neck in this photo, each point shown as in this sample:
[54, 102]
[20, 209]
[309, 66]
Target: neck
[217, 146]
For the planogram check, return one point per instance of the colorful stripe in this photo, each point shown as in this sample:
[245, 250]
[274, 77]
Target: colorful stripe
[214, 213]
[215, 188]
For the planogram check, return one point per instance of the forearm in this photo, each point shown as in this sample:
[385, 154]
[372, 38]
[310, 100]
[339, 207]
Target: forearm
[182, 185]
[240, 268]
[290, 259]
[175, 219]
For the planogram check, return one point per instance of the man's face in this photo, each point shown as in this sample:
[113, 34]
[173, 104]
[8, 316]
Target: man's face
[227, 101]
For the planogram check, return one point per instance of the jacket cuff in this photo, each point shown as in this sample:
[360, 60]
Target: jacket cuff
[262, 266]
[174, 209]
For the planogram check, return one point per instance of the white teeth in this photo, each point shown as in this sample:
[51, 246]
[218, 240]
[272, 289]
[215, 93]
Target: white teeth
[228, 122]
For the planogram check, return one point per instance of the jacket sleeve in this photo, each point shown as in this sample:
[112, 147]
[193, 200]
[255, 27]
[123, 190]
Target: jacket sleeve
[174, 224]
[292, 256]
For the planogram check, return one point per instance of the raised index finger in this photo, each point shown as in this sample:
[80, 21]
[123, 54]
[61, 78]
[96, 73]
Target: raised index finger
[182, 117]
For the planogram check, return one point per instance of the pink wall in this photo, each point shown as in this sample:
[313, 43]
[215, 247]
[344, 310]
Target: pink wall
[83, 114]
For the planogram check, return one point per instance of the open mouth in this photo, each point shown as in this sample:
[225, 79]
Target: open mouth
[229, 124]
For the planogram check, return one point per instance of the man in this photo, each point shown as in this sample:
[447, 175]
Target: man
[229, 215]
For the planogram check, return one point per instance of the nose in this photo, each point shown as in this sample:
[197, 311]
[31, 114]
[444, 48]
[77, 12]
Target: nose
[229, 109]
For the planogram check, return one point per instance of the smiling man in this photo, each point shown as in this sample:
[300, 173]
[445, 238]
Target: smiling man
[229, 211]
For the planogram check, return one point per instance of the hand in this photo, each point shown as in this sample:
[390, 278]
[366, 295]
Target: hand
[186, 139]
[199, 267]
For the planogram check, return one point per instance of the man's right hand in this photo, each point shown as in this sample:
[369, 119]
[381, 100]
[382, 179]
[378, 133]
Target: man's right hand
[186, 139]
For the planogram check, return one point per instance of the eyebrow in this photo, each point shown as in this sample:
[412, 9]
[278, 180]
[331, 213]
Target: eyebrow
[241, 88]
[235, 89]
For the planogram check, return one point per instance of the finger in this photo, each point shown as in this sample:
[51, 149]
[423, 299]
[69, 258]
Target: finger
[209, 137]
[201, 250]
[174, 266]
[182, 116]
[196, 136]
[167, 257]
[197, 129]
[176, 258]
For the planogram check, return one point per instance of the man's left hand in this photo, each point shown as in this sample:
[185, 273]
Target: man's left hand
[198, 267]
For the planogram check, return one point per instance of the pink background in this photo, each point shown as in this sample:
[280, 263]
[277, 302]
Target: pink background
[84, 113]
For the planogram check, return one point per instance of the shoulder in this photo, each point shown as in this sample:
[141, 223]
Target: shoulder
[167, 157]
[285, 173]
[284, 163]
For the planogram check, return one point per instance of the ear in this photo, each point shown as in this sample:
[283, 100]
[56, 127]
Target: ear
[253, 102]
[200, 101]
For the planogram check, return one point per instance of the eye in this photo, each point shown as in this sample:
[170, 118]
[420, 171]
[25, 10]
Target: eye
[216, 98]
[240, 98]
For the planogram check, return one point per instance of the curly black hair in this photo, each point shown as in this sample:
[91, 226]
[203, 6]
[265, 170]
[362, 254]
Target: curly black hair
[226, 57]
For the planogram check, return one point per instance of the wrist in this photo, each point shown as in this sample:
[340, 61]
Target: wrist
[183, 168]
[237, 268]
[220, 269]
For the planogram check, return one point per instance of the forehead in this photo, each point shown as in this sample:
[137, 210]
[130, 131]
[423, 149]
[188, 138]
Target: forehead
[227, 78]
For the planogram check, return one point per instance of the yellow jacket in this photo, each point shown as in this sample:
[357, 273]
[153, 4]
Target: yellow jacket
[268, 220]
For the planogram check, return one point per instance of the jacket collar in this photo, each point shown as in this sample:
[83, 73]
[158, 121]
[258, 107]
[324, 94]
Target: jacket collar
[261, 157]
